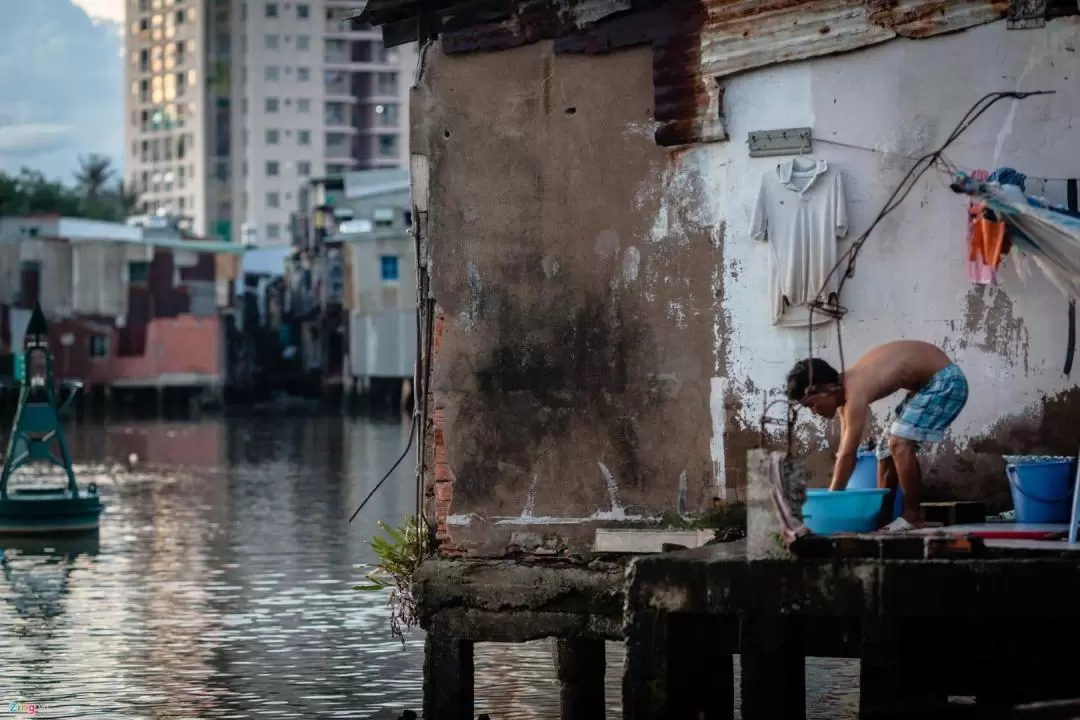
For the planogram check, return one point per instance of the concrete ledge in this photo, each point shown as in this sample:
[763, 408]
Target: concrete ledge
[548, 588]
[703, 581]
[524, 625]
[643, 541]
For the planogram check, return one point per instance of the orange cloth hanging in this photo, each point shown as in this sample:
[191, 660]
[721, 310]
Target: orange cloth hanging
[988, 241]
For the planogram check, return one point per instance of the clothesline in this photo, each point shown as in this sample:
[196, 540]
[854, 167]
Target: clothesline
[913, 157]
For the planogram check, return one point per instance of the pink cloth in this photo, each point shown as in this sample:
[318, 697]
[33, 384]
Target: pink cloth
[978, 272]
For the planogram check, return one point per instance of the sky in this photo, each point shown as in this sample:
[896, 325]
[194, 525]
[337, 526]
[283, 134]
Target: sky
[62, 84]
[109, 9]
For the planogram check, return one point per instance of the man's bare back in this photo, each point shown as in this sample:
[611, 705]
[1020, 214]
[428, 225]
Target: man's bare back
[899, 365]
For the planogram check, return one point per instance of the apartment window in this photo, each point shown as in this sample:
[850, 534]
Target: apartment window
[273, 200]
[271, 10]
[303, 105]
[273, 168]
[387, 115]
[303, 74]
[273, 73]
[144, 5]
[144, 61]
[138, 273]
[303, 137]
[303, 42]
[179, 14]
[303, 11]
[383, 218]
[272, 105]
[388, 268]
[273, 137]
[273, 231]
[388, 145]
[99, 346]
[272, 42]
[387, 83]
[303, 169]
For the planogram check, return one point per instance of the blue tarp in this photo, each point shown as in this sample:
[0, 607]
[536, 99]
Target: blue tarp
[1048, 235]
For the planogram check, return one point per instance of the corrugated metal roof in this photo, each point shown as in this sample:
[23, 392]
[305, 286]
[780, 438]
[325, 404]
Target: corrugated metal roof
[696, 43]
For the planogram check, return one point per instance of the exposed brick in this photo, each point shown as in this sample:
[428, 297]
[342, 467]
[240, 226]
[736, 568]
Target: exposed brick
[443, 492]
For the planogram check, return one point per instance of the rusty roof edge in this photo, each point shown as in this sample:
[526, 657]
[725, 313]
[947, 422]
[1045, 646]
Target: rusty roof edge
[734, 43]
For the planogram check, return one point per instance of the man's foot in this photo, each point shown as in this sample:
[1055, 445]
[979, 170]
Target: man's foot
[899, 525]
[903, 525]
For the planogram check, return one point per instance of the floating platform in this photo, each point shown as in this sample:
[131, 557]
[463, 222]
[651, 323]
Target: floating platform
[35, 511]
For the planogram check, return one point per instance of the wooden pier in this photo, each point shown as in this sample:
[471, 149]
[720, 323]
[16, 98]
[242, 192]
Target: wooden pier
[933, 619]
[929, 616]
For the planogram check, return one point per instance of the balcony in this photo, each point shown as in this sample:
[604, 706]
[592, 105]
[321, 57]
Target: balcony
[338, 88]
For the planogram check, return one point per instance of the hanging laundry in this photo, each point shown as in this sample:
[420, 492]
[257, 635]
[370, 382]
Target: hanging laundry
[979, 272]
[1008, 176]
[1048, 235]
[801, 211]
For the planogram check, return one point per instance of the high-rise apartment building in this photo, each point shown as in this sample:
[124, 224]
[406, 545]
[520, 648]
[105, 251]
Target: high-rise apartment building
[233, 105]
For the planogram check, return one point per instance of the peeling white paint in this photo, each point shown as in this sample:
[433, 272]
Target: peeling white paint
[613, 492]
[870, 112]
[717, 392]
[471, 314]
[530, 499]
[631, 262]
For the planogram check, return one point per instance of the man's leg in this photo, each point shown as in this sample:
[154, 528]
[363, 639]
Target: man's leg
[887, 478]
[903, 455]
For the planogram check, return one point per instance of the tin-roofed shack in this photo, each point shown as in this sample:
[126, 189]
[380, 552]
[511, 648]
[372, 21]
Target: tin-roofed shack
[604, 329]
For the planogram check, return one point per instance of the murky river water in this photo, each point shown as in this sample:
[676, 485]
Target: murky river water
[221, 587]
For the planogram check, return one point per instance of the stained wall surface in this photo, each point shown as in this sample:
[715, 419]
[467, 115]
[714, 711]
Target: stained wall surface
[603, 340]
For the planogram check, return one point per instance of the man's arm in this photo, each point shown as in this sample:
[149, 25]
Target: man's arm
[854, 422]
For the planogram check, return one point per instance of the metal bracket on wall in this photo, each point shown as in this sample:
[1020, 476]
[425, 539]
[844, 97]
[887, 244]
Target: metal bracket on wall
[1027, 14]
[790, 141]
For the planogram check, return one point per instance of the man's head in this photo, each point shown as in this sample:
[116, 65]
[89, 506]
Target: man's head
[815, 384]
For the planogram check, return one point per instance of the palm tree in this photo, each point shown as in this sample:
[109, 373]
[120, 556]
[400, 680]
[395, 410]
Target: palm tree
[126, 198]
[94, 174]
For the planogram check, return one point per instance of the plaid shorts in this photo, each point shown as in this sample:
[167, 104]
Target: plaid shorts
[923, 416]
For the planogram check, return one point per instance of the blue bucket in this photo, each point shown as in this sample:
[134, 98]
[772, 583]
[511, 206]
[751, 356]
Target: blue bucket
[847, 511]
[865, 477]
[1041, 487]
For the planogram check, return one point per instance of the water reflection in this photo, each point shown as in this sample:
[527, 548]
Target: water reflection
[219, 585]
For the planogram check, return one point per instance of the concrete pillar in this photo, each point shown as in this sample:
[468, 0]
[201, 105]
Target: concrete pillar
[448, 674]
[773, 668]
[899, 673]
[678, 667]
[763, 528]
[579, 666]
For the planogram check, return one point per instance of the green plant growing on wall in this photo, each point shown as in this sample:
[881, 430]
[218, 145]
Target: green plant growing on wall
[399, 551]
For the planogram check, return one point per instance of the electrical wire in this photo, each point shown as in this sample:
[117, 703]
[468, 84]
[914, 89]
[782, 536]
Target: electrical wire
[910, 179]
[412, 431]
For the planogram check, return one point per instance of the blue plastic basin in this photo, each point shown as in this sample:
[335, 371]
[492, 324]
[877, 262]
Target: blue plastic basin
[851, 510]
[865, 476]
[1041, 487]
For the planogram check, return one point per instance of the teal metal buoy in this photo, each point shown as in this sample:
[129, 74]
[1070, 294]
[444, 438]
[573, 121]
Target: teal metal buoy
[37, 435]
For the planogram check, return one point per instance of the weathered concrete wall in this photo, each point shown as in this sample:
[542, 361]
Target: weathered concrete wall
[602, 332]
[893, 103]
[572, 380]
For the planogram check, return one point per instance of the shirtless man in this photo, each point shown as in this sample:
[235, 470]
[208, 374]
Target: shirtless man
[937, 392]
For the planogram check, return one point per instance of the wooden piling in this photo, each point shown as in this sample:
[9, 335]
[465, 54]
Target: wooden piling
[448, 675]
[579, 667]
[773, 668]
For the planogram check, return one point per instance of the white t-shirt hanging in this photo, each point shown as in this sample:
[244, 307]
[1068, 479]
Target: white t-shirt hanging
[800, 211]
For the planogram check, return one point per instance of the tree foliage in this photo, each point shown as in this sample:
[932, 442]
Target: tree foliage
[95, 195]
